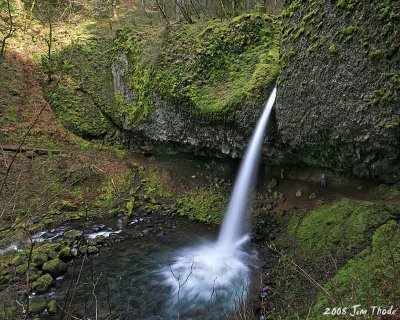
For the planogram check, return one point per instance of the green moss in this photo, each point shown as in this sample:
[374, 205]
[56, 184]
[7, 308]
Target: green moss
[390, 92]
[371, 278]
[347, 5]
[77, 111]
[349, 30]
[340, 228]
[207, 71]
[333, 49]
[285, 58]
[386, 193]
[203, 204]
[315, 46]
[375, 54]
[42, 284]
[309, 16]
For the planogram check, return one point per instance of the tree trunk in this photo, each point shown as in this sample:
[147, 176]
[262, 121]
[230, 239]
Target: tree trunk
[234, 9]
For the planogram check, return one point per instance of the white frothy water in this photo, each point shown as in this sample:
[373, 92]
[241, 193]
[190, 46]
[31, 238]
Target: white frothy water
[220, 271]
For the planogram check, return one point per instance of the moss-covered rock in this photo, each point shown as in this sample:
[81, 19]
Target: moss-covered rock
[77, 111]
[92, 250]
[9, 312]
[369, 279]
[55, 267]
[39, 258]
[203, 204]
[208, 71]
[42, 284]
[37, 305]
[347, 117]
[341, 228]
[72, 235]
[52, 307]
[65, 254]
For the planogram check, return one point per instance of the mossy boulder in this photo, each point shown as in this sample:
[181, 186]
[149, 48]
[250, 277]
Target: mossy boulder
[72, 235]
[37, 305]
[39, 258]
[52, 307]
[42, 284]
[92, 250]
[35, 274]
[55, 267]
[65, 254]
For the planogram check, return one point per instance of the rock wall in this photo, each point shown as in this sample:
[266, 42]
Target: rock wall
[338, 100]
[201, 90]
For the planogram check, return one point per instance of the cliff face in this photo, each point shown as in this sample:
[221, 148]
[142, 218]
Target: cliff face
[196, 89]
[338, 100]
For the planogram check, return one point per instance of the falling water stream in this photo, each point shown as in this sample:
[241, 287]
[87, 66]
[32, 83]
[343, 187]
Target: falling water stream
[219, 272]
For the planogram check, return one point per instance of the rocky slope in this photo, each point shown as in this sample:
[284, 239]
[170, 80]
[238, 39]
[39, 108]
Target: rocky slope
[338, 97]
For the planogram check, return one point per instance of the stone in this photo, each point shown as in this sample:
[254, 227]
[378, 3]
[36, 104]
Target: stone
[42, 284]
[39, 258]
[52, 307]
[37, 305]
[72, 235]
[55, 267]
[92, 250]
[272, 184]
[35, 274]
[312, 195]
[66, 254]
[299, 193]
[100, 239]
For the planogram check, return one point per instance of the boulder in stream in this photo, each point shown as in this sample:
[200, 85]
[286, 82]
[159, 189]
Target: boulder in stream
[55, 267]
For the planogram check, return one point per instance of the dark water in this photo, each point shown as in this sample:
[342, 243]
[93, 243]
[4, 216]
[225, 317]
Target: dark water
[126, 279]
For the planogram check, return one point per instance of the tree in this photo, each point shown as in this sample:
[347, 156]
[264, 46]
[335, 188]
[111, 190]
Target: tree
[7, 23]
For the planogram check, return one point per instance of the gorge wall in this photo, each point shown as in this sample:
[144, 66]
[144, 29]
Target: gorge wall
[338, 101]
[200, 88]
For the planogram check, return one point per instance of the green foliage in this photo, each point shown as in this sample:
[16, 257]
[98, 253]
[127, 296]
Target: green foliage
[208, 72]
[371, 278]
[340, 228]
[203, 204]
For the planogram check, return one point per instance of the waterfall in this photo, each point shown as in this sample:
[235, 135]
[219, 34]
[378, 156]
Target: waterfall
[231, 230]
[219, 272]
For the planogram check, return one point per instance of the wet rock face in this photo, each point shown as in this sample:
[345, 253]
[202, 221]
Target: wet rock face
[338, 96]
[166, 130]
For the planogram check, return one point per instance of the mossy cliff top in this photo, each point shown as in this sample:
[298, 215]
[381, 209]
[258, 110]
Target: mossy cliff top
[207, 70]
